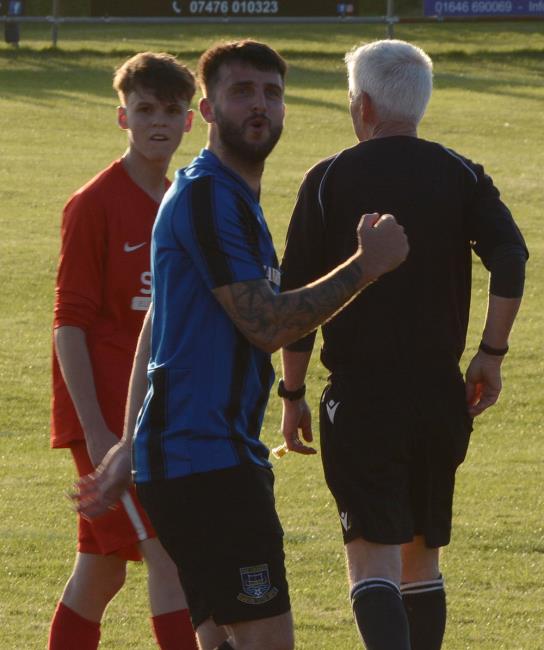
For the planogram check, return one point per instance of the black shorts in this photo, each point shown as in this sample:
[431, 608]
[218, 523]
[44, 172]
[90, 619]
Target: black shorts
[390, 456]
[222, 531]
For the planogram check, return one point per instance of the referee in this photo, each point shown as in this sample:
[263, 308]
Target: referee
[396, 415]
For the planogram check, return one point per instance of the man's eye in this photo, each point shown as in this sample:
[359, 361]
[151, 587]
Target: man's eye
[274, 93]
[242, 91]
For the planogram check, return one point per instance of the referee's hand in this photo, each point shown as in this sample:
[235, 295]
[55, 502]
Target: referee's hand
[383, 243]
[297, 418]
[483, 382]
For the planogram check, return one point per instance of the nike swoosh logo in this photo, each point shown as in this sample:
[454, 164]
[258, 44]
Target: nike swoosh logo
[129, 249]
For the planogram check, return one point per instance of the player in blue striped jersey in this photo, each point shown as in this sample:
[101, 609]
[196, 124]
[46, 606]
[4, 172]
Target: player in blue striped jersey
[221, 381]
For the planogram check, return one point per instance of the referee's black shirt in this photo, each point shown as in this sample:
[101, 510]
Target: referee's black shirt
[447, 205]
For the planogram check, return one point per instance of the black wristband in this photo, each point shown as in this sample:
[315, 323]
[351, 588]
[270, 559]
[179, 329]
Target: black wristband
[495, 352]
[291, 395]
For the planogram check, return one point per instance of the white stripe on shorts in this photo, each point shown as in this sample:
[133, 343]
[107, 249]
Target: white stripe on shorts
[134, 516]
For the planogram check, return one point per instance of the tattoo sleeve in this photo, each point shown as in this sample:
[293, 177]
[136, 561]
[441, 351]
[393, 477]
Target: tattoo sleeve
[273, 320]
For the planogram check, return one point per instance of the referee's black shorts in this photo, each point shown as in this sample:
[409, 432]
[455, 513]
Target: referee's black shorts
[222, 531]
[390, 455]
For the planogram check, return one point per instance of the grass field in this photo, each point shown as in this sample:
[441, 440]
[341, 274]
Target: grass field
[57, 129]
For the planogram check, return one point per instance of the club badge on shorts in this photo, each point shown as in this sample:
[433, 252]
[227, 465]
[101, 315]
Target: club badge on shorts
[256, 585]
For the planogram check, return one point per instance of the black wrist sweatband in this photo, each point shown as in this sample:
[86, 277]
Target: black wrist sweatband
[291, 395]
[495, 352]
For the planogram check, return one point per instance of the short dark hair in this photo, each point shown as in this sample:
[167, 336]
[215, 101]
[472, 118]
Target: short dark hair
[160, 73]
[253, 53]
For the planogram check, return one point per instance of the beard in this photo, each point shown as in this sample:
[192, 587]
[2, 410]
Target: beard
[232, 137]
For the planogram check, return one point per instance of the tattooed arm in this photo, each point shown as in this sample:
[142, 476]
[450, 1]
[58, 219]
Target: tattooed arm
[271, 320]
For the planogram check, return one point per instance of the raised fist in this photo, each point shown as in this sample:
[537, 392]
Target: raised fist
[383, 243]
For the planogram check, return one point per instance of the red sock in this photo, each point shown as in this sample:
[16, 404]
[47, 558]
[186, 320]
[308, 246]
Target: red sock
[70, 631]
[174, 631]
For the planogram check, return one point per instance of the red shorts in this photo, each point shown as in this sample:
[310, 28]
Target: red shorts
[120, 530]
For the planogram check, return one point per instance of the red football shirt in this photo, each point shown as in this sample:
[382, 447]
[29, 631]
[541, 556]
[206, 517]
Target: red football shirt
[103, 287]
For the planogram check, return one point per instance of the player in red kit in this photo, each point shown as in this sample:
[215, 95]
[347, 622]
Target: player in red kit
[102, 294]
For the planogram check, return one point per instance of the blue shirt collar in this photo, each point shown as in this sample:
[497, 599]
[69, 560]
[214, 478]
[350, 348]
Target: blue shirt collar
[208, 159]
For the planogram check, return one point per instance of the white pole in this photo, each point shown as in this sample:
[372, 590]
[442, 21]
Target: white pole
[55, 29]
[390, 15]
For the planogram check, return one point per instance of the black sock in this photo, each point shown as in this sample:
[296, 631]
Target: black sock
[225, 646]
[379, 614]
[425, 605]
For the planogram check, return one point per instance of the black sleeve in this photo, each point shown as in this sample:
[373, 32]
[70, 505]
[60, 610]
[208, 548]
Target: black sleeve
[491, 225]
[303, 259]
[507, 269]
[495, 237]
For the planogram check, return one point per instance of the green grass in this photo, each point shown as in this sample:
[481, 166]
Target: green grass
[57, 126]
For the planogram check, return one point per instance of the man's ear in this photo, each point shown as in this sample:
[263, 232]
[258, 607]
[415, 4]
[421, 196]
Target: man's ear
[188, 121]
[206, 110]
[367, 108]
[122, 117]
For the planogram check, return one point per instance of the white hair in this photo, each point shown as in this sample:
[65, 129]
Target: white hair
[397, 76]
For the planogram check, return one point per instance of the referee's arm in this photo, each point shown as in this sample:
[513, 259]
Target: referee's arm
[296, 415]
[506, 264]
[497, 241]
[483, 376]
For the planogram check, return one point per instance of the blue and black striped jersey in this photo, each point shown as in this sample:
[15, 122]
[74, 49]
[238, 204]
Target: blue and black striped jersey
[208, 386]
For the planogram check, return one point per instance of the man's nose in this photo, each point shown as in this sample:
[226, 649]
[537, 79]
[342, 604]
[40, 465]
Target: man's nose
[259, 100]
[160, 117]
